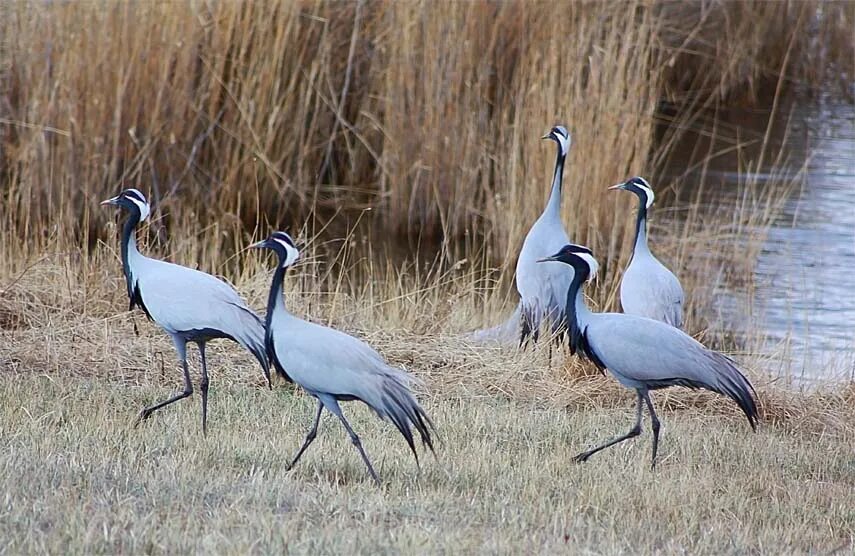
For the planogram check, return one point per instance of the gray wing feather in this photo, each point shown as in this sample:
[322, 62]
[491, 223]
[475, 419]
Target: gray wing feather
[181, 299]
[649, 289]
[327, 361]
[543, 287]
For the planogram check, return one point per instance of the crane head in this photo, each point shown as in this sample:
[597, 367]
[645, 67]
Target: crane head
[282, 244]
[560, 135]
[579, 257]
[131, 200]
[640, 187]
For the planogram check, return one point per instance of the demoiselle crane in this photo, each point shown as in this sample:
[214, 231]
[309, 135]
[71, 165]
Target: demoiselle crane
[648, 288]
[644, 354]
[542, 287]
[189, 305]
[333, 366]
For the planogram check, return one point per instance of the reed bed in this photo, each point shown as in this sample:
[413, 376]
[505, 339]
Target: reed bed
[242, 117]
[427, 113]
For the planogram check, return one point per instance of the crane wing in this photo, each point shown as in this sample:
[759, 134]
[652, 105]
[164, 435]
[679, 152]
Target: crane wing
[322, 359]
[325, 361]
[543, 287]
[181, 299]
[647, 353]
[649, 289]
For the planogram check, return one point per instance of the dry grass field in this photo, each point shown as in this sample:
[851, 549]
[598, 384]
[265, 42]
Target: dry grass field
[77, 478]
[348, 124]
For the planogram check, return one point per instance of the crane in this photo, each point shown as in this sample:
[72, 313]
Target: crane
[644, 354]
[189, 305]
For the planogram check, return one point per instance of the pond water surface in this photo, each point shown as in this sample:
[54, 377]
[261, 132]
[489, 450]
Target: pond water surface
[804, 296]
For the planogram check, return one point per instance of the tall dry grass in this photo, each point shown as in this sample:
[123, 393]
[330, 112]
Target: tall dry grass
[428, 113]
[242, 117]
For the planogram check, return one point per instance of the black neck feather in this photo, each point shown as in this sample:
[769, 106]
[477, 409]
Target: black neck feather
[127, 235]
[558, 175]
[273, 299]
[640, 221]
[580, 274]
[275, 295]
[578, 335]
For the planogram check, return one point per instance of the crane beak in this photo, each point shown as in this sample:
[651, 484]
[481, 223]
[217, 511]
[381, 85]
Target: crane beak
[110, 201]
[547, 136]
[260, 245]
[546, 259]
[617, 186]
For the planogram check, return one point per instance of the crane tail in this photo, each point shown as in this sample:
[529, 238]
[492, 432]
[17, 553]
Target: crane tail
[727, 381]
[399, 405]
[733, 384]
[506, 333]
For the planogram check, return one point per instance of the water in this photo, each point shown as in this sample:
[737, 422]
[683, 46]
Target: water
[805, 277]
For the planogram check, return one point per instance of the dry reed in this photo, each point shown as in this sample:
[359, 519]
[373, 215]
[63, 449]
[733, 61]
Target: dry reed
[427, 113]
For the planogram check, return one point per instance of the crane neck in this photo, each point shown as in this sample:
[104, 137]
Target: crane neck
[129, 248]
[553, 205]
[275, 301]
[640, 244]
[577, 310]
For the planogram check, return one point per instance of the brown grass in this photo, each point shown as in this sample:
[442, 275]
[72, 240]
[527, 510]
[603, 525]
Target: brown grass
[239, 118]
[428, 113]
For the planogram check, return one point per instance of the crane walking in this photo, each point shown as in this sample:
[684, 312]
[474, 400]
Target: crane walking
[644, 354]
[648, 288]
[333, 366]
[189, 305]
[542, 288]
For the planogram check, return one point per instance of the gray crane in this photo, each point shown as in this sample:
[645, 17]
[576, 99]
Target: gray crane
[648, 288]
[542, 288]
[333, 366]
[644, 354]
[189, 305]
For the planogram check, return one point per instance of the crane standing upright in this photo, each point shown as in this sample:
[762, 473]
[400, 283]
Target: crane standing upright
[542, 287]
[648, 288]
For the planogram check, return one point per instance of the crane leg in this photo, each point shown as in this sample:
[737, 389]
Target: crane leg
[332, 405]
[313, 432]
[654, 423]
[633, 432]
[181, 348]
[203, 387]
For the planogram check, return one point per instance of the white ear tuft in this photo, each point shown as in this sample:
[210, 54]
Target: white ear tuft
[592, 264]
[292, 254]
[145, 210]
[564, 142]
[642, 184]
